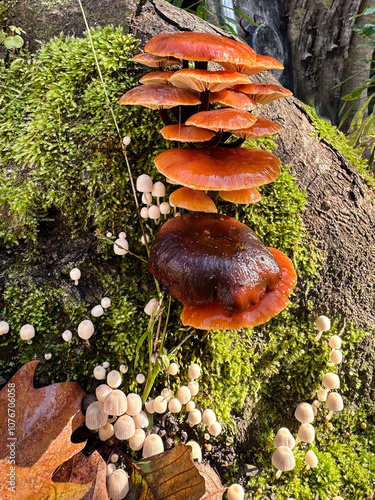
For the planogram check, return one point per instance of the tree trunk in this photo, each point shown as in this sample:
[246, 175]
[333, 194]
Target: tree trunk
[340, 215]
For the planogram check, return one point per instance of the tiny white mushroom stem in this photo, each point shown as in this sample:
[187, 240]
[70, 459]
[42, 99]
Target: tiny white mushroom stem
[317, 338]
[330, 414]
[278, 474]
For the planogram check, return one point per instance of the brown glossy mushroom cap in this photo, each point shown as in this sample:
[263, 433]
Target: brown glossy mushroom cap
[200, 47]
[236, 100]
[263, 93]
[222, 119]
[218, 169]
[262, 63]
[214, 317]
[242, 196]
[190, 199]
[156, 78]
[153, 61]
[201, 79]
[182, 133]
[204, 258]
[261, 128]
[159, 97]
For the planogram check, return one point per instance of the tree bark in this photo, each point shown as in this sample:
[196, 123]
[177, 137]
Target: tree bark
[340, 216]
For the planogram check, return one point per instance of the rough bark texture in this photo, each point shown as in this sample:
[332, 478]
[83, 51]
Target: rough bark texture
[340, 215]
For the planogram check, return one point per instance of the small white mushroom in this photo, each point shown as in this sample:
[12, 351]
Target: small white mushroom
[194, 417]
[322, 324]
[121, 246]
[336, 356]
[335, 342]
[48, 356]
[105, 302]
[67, 335]
[136, 442]
[158, 190]
[193, 387]
[110, 469]
[284, 438]
[95, 416]
[194, 371]
[174, 405]
[115, 402]
[152, 446]
[124, 427]
[196, 451]
[126, 141]
[165, 208]
[144, 213]
[152, 307]
[322, 395]
[208, 417]
[141, 420]
[167, 393]
[105, 364]
[140, 378]
[306, 434]
[154, 212]
[334, 403]
[4, 327]
[143, 239]
[311, 459]
[173, 369]
[184, 394]
[27, 332]
[106, 431]
[109, 234]
[99, 372]
[114, 458]
[149, 405]
[190, 405]
[75, 275]
[118, 485]
[123, 368]
[97, 311]
[304, 413]
[235, 492]
[144, 184]
[114, 379]
[101, 392]
[331, 381]
[160, 404]
[134, 404]
[283, 459]
[215, 429]
[147, 199]
[85, 329]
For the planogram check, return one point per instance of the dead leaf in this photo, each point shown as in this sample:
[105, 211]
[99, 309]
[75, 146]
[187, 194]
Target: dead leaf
[171, 474]
[214, 489]
[35, 439]
[81, 469]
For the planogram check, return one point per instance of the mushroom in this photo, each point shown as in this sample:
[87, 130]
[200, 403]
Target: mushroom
[222, 119]
[283, 459]
[134, 404]
[147, 198]
[304, 413]
[123, 368]
[322, 395]
[154, 61]
[118, 485]
[121, 246]
[99, 372]
[67, 335]
[105, 302]
[114, 379]
[144, 213]
[141, 420]
[190, 405]
[164, 208]
[306, 434]
[322, 324]
[331, 381]
[208, 417]
[75, 274]
[193, 387]
[126, 141]
[263, 93]
[144, 184]
[85, 329]
[158, 191]
[140, 378]
[215, 429]
[160, 404]
[242, 196]
[159, 97]
[153, 445]
[190, 199]
[261, 63]
[106, 431]
[335, 342]
[152, 307]
[167, 393]
[174, 405]
[311, 459]
[235, 492]
[194, 371]
[47, 356]
[97, 311]
[4, 327]
[284, 438]
[194, 417]
[334, 403]
[124, 427]
[184, 394]
[156, 78]
[173, 369]
[261, 128]
[136, 442]
[154, 212]
[115, 402]
[336, 356]
[27, 332]
[196, 451]
[183, 133]
[110, 469]
[236, 100]
[95, 416]
[101, 392]
[149, 405]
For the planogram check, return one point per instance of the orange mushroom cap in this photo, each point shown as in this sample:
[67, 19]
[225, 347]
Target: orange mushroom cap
[218, 169]
[190, 199]
[263, 93]
[262, 63]
[222, 119]
[200, 47]
[242, 196]
[159, 97]
[156, 78]
[214, 317]
[182, 133]
[261, 128]
[203, 258]
[201, 79]
[236, 100]
[156, 61]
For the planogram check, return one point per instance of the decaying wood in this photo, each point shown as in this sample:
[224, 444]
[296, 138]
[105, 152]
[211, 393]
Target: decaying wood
[340, 215]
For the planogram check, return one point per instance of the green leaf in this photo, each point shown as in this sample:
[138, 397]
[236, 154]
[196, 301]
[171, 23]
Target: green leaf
[9, 42]
[171, 474]
[2, 36]
[366, 12]
[18, 42]
[165, 360]
[353, 95]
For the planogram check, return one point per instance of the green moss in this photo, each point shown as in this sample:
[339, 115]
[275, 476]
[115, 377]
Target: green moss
[334, 136]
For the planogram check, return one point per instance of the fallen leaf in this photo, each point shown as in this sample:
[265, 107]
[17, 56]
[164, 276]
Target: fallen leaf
[81, 469]
[214, 489]
[35, 430]
[171, 474]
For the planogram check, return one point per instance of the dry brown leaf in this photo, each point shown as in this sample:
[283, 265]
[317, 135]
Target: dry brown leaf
[214, 489]
[168, 475]
[81, 469]
[44, 420]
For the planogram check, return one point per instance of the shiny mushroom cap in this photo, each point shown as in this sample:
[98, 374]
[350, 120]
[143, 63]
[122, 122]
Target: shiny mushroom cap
[156, 78]
[304, 413]
[236, 100]
[190, 199]
[202, 79]
[283, 459]
[159, 97]
[222, 119]
[262, 63]
[334, 402]
[263, 93]
[154, 61]
[183, 133]
[241, 196]
[261, 128]
[284, 438]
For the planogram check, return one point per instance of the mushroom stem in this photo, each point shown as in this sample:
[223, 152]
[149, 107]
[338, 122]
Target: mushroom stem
[226, 136]
[298, 440]
[214, 141]
[214, 195]
[329, 416]
[201, 64]
[76, 282]
[307, 468]
[317, 338]
[278, 474]
[165, 117]
[205, 100]
[185, 64]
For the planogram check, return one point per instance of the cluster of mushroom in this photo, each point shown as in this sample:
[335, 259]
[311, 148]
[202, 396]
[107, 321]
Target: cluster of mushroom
[258, 279]
[150, 190]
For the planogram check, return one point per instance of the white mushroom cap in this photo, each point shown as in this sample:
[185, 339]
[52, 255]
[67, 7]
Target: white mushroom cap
[121, 246]
[335, 342]
[144, 213]
[106, 431]
[105, 364]
[105, 302]
[306, 433]
[123, 368]
[140, 420]
[95, 416]
[152, 446]
[337, 498]
[140, 378]
[304, 413]
[122, 235]
[184, 394]
[167, 393]
[136, 442]
[85, 329]
[284, 438]
[173, 369]
[126, 141]
[67, 335]
[194, 371]
[97, 311]
[147, 198]
[196, 450]
[27, 332]
[214, 429]
[336, 356]
[193, 387]
[235, 492]
[134, 404]
[311, 459]
[124, 427]
[334, 402]
[144, 184]
[114, 379]
[48, 356]
[283, 459]
[331, 381]
[4, 327]
[143, 239]
[99, 372]
[75, 274]
[152, 307]
[194, 417]
[190, 405]
[149, 405]
[154, 212]
[323, 324]
[158, 190]
[165, 208]
[110, 469]
[115, 403]
[118, 485]
[174, 405]
[322, 394]
[114, 458]
[101, 392]
[208, 417]
[160, 404]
